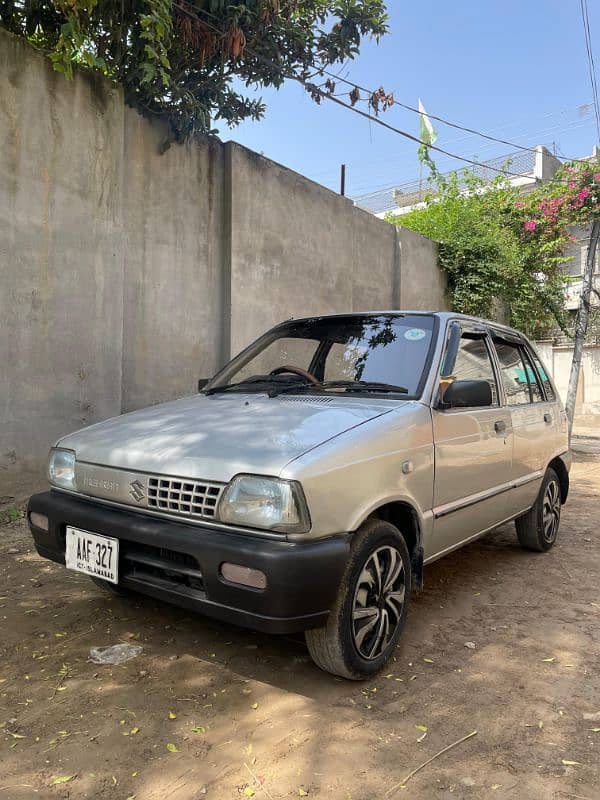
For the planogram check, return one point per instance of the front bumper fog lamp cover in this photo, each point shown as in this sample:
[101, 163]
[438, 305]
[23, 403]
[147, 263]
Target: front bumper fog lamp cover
[245, 576]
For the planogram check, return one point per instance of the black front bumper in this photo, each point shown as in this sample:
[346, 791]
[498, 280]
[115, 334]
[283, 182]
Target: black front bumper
[180, 563]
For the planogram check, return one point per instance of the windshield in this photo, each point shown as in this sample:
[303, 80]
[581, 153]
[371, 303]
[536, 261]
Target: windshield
[356, 352]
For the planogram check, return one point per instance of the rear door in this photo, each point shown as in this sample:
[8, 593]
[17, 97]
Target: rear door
[473, 448]
[533, 418]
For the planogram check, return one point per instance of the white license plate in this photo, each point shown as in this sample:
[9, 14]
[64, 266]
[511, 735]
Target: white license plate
[92, 554]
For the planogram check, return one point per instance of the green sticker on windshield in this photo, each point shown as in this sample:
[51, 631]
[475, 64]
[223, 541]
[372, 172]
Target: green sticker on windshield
[414, 334]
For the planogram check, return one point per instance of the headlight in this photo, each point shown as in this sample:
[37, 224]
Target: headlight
[267, 503]
[61, 468]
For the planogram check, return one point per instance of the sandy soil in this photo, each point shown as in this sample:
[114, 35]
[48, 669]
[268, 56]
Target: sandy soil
[209, 710]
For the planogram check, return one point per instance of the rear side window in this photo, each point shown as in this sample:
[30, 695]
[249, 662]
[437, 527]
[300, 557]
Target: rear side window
[534, 385]
[545, 379]
[518, 375]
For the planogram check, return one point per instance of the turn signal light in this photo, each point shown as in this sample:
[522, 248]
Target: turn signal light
[39, 520]
[245, 576]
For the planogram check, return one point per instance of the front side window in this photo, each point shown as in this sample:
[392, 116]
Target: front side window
[516, 373]
[472, 363]
[352, 351]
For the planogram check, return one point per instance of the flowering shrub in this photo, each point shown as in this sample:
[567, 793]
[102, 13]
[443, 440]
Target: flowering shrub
[501, 248]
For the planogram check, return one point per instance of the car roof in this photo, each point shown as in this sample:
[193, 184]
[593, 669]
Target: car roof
[442, 315]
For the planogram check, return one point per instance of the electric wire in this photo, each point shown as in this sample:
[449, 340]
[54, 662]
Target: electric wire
[332, 98]
[590, 59]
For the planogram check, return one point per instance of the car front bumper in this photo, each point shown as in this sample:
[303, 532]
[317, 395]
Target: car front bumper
[180, 563]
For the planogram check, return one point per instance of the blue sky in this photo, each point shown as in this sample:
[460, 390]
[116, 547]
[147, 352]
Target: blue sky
[514, 68]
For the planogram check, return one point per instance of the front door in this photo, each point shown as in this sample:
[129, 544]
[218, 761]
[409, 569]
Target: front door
[473, 452]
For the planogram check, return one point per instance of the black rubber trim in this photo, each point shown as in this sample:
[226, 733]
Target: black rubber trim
[302, 579]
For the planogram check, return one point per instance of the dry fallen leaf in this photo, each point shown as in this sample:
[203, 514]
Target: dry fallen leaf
[422, 728]
[428, 660]
[62, 779]
[303, 792]
[172, 748]
[198, 729]
[254, 706]
[568, 763]
[172, 715]
[548, 660]
[249, 791]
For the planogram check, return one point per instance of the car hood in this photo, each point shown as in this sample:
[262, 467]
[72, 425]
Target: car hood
[218, 436]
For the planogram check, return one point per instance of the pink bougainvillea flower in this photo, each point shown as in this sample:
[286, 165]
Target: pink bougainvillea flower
[520, 204]
[584, 193]
[530, 225]
[597, 176]
[571, 184]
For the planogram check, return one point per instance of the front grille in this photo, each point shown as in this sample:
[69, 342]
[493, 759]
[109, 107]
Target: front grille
[188, 498]
[159, 565]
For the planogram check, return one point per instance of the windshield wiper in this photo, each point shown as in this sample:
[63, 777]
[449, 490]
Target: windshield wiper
[272, 381]
[365, 386]
[349, 386]
[256, 379]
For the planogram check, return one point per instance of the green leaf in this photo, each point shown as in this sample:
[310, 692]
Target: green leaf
[57, 781]
[172, 748]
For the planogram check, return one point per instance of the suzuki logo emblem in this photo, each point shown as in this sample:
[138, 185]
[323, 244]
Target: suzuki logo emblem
[137, 491]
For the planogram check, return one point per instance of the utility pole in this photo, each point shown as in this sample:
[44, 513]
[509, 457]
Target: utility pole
[583, 313]
[343, 180]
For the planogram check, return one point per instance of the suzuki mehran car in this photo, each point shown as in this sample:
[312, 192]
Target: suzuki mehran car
[307, 484]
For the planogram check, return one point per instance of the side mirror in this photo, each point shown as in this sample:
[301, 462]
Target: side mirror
[467, 394]
[202, 383]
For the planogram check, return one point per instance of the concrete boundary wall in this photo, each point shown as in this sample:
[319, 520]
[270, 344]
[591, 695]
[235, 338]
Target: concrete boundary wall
[125, 274]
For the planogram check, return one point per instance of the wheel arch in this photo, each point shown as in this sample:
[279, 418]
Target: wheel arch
[558, 465]
[405, 517]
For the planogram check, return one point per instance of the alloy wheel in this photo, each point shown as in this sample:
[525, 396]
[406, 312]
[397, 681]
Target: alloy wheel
[378, 602]
[551, 511]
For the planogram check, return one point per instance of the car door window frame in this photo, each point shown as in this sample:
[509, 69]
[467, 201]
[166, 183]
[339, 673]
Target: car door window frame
[535, 360]
[477, 331]
[512, 338]
[530, 366]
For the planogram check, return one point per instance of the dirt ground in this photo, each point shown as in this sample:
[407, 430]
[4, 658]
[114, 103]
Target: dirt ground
[210, 710]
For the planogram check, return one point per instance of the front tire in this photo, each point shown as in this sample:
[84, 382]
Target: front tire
[538, 528]
[369, 613]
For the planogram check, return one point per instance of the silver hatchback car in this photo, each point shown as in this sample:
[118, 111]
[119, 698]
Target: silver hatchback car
[305, 486]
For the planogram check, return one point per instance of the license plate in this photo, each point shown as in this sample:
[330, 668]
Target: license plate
[92, 554]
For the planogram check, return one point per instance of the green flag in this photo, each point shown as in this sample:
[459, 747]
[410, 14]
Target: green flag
[428, 133]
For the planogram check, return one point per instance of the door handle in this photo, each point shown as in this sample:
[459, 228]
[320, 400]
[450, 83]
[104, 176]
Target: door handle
[500, 426]
[547, 418]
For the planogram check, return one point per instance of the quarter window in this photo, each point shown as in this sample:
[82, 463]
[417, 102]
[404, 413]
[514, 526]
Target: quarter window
[518, 376]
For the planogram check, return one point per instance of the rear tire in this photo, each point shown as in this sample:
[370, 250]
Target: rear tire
[538, 528]
[369, 613]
